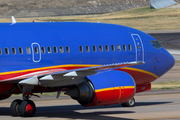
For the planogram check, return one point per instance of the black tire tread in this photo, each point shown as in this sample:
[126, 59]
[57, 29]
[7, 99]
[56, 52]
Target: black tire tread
[23, 108]
[127, 104]
[13, 108]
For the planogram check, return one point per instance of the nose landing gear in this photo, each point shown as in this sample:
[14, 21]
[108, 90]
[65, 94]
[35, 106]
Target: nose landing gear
[130, 103]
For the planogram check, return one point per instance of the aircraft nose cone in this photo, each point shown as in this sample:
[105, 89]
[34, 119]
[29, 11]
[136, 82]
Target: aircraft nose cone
[171, 60]
[165, 61]
[168, 62]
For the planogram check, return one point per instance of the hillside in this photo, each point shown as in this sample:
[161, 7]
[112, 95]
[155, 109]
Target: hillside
[19, 4]
[30, 4]
[140, 18]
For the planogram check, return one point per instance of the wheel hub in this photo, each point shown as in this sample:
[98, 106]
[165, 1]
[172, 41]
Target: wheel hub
[29, 109]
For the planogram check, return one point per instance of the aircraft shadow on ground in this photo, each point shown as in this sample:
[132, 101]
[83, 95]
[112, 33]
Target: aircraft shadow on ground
[92, 113]
[150, 103]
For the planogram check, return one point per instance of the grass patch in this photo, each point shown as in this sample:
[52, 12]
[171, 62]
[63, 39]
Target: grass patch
[140, 18]
[166, 85]
[177, 61]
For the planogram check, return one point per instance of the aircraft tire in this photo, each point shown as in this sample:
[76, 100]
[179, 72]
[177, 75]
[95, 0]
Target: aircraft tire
[27, 108]
[130, 103]
[15, 107]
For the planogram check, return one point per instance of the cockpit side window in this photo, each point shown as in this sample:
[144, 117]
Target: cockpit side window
[155, 44]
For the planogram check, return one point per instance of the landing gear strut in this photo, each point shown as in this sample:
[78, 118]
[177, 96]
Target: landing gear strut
[130, 103]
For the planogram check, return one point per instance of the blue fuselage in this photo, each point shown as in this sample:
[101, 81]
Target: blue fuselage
[27, 46]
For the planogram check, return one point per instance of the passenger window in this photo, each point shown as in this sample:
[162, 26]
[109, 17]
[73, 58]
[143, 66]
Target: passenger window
[100, 48]
[94, 48]
[49, 49]
[55, 49]
[0, 51]
[124, 47]
[112, 48]
[36, 50]
[87, 49]
[118, 47]
[20, 50]
[80, 48]
[129, 47]
[13, 51]
[43, 50]
[107, 48]
[28, 50]
[61, 49]
[67, 49]
[6, 51]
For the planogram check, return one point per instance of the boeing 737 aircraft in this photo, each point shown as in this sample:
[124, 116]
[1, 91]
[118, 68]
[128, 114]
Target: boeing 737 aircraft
[94, 63]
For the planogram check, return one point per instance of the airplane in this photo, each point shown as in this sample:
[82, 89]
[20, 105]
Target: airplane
[96, 64]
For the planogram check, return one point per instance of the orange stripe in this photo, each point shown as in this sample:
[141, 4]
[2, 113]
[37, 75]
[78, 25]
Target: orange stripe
[50, 67]
[139, 70]
[114, 88]
[119, 94]
[76, 65]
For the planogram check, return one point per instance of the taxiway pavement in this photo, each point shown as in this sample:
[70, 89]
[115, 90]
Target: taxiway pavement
[156, 106]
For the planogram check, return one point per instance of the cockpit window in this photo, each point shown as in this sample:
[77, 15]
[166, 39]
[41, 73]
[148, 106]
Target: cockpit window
[155, 44]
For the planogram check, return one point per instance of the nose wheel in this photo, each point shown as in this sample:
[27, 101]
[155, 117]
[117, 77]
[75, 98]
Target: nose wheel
[130, 103]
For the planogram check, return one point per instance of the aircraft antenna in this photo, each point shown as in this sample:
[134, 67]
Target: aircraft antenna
[13, 20]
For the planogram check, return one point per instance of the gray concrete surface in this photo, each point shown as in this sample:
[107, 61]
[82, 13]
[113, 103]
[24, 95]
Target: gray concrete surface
[162, 31]
[165, 106]
[174, 52]
[176, 57]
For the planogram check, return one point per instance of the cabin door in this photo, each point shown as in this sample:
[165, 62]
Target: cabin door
[36, 52]
[138, 47]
